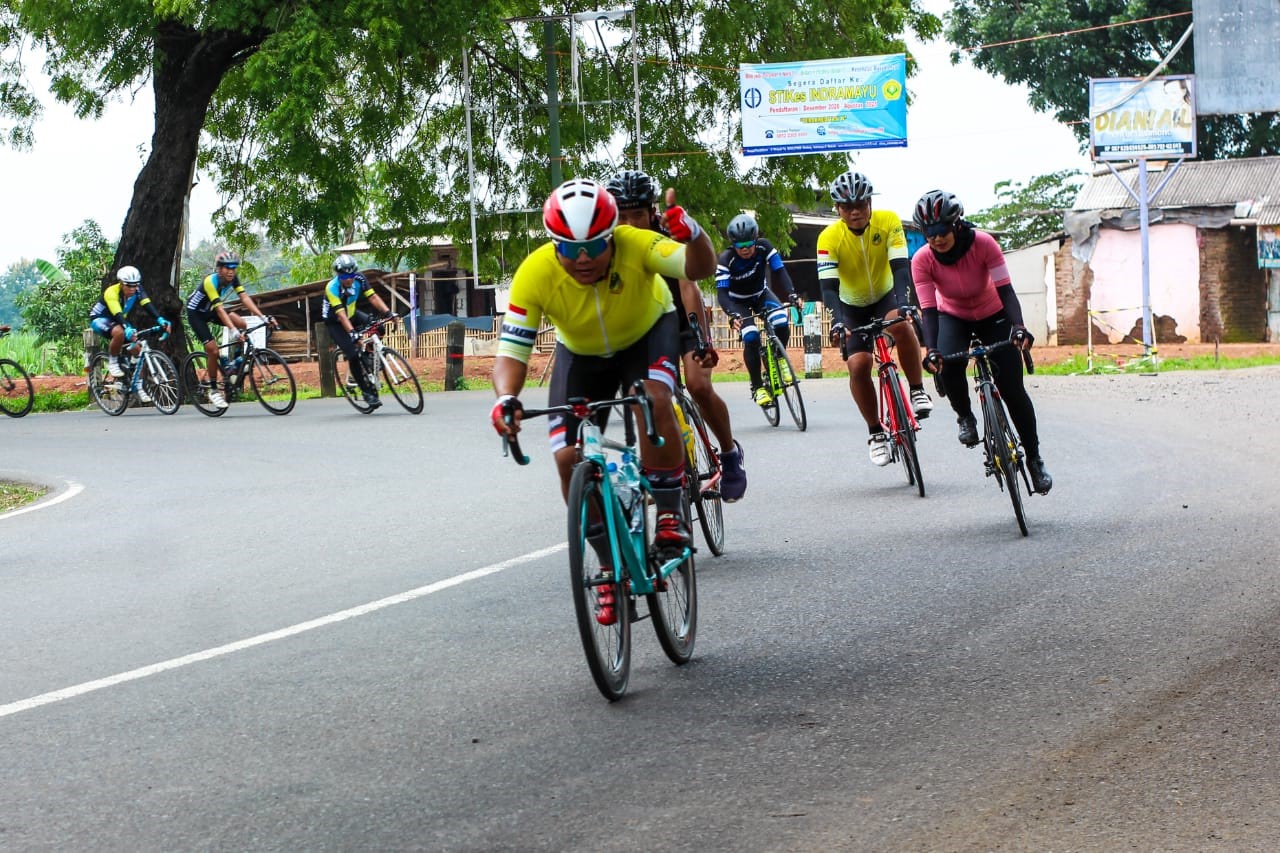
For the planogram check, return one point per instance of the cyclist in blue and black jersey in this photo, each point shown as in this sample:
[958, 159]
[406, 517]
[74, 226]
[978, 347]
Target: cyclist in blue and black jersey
[637, 197]
[109, 316]
[207, 304]
[338, 310]
[743, 277]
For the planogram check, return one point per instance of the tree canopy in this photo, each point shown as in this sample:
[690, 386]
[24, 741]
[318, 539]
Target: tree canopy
[322, 119]
[1025, 214]
[1057, 70]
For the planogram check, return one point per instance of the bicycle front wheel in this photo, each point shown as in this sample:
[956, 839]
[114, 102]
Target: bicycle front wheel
[791, 390]
[16, 394]
[1006, 455]
[346, 381]
[607, 646]
[903, 436]
[673, 604]
[402, 381]
[702, 479]
[272, 382]
[160, 379]
[194, 371]
[108, 391]
[771, 412]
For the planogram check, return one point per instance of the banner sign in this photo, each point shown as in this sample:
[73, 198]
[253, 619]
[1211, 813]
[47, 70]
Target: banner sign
[1131, 119]
[824, 105]
[1268, 247]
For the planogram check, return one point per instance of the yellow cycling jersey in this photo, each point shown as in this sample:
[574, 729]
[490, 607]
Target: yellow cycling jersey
[593, 319]
[861, 263]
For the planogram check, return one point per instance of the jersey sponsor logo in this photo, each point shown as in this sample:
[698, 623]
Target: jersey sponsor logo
[615, 282]
[876, 239]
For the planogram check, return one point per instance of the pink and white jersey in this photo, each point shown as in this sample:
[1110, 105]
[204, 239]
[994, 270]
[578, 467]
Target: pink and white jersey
[967, 288]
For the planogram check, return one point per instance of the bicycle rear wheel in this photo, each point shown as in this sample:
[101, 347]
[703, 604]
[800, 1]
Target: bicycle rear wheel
[607, 647]
[16, 394]
[272, 382]
[673, 605]
[903, 437]
[791, 390]
[347, 383]
[402, 381]
[1006, 455]
[160, 378]
[702, 479]
[194, 371]
[108, 391]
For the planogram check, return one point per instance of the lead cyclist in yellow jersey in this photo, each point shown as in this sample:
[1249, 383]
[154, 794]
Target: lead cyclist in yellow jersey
[866, 275]
[598, 284]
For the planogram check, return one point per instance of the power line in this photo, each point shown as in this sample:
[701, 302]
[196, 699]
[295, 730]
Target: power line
[1071, 32]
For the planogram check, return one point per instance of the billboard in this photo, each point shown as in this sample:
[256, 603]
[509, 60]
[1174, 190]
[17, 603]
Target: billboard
[1130, 118]
[1235, 52]
[817, 106]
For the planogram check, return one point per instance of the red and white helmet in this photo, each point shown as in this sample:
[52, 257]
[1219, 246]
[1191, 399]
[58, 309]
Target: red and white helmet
[580, 210]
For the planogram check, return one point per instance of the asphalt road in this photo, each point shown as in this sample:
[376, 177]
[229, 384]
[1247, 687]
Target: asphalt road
[333, 631]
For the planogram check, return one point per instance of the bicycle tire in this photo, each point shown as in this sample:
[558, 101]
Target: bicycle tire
[702, 478]
[354, 394]
[109, 392]
[791, 390]
[272, 381]
[194, 370]
[17, 396]
[160, 379]
[607, 647]
[673, 605]
[902, 435]
[1005, 455]
[402, 381]
[771, 412]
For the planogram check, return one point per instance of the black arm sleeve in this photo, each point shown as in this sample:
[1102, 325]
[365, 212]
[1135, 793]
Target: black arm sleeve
[831, 299]
[901, 281]
[929, 322]
[782, 283]
[1012, 307]
[726, 304]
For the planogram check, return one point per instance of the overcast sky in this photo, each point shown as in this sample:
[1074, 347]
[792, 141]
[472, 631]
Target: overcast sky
[966, 131]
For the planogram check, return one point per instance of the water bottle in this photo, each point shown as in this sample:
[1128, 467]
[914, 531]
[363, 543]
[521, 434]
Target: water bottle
[224, 363]
[629, 487]
[237, 363]
[686, 433]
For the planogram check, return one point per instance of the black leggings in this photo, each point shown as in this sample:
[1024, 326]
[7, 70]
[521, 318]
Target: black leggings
[348, 346]
[954, 335]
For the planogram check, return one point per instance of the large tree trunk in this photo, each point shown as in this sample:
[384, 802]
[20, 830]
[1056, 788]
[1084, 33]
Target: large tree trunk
[189, 67]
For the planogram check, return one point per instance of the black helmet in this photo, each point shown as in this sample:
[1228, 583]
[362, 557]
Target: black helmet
[742, 228]
[851, 187]
[937, 207]
[345, 265]
[633, 189]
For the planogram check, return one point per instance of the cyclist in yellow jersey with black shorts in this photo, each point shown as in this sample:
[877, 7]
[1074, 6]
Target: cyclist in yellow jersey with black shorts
[599, 284]
[865, 274]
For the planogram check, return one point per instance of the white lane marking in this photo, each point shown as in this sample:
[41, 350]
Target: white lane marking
[73, 489]
[272, 636]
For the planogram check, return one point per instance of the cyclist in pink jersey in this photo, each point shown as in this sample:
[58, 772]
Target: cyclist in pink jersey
[962, 282]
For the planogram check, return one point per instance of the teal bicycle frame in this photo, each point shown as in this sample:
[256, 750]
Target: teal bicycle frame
[612, 496]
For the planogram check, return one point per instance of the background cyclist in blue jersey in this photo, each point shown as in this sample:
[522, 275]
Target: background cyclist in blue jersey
[744, 272]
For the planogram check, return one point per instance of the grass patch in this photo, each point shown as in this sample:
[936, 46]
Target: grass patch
[1080, 364]
[14, 495]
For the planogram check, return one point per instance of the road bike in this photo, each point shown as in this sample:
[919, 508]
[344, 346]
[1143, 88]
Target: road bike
[702, 469]
[149, 374]
[1003, 456]
[270, 381]
[17, 395]
[778, 376]
[381, 364]
[896, 415]
[610, 495]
